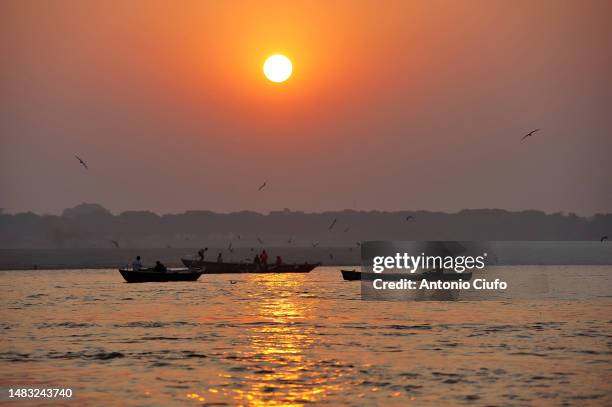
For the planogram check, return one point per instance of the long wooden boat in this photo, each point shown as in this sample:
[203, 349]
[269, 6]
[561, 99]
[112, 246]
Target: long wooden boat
[213, 267]
[148, 275]
[353, 275]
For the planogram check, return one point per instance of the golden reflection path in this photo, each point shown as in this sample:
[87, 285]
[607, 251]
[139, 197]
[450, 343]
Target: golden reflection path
[286, 375]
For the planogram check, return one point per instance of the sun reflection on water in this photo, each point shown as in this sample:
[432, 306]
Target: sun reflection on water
[279, 347]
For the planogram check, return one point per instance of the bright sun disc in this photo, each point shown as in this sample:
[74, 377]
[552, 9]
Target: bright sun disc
[277, 68]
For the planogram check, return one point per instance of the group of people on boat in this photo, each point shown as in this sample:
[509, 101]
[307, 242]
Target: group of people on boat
[159, 266]
[260, 260]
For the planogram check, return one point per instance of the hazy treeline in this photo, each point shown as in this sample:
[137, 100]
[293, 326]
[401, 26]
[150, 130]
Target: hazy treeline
[92, 226]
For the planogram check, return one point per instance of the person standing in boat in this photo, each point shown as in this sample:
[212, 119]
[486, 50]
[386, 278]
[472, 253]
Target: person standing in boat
[257, 262]
[264, 259]
[220, 258]
[201, 253]
[137, 264]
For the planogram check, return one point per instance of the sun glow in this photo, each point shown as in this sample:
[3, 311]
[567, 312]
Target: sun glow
[277, 68]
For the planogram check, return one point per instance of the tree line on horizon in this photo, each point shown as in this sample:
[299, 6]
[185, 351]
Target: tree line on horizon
[92, 226]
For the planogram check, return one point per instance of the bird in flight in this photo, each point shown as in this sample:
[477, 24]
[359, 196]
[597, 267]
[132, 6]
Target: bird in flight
[332, 224]
[262, 186]
[409, 217]
[259, 240]
[83, 163]
[530, 134]
[603, 238]
[115, 243]
[315, 244]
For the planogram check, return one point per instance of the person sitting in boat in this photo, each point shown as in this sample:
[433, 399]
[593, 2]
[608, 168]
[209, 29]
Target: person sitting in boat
[220, 258]
[137, 264]
[159, 267]
[279, 261]
[264, 259]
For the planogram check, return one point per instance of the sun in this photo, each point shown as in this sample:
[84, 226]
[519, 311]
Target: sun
[277, 68]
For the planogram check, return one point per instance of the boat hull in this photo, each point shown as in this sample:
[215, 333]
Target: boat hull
[353, 275]
[149, 276]
[211, 267]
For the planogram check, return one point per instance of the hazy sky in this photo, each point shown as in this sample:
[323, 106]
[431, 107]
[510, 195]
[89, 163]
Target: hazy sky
[392, 105]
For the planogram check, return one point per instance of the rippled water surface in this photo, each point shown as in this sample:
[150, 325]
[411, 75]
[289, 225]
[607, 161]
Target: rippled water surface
[296, 340]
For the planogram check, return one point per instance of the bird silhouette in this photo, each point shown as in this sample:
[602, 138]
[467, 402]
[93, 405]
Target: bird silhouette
[262, 186]
[333, 224]
[83, 163]
[260, 241]
[530, 134]
[603, 238]
[315, 244]
[115, 243]
[409, 217]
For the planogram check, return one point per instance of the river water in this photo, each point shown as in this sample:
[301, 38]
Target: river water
[297, 340]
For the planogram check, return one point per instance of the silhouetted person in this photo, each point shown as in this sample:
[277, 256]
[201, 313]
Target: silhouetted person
[220, 258]
[159, 267]
[137, 264]
[279, 261]
[201, 253]
[257, 262]
[264, 259]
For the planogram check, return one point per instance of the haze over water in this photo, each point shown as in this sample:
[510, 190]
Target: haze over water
[299, 339]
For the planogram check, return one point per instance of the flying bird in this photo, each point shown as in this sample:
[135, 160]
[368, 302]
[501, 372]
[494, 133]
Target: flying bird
[114, 242]
[333, 224]
[603, 238]
[259, 240]
[530, 134]
[315, 244]
[83, 163]
[262, 186]
[409, 217]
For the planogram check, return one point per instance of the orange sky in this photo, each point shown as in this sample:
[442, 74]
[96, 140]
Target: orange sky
[392, 105]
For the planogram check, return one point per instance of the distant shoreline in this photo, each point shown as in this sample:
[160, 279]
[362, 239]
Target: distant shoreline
[505, 253]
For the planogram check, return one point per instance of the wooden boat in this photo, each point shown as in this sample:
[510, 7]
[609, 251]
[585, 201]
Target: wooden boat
[353, 275]
[212, 267]
[148, 275]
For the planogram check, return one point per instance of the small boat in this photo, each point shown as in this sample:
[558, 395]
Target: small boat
[353, 275]
[213, 267]
[148, 275]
